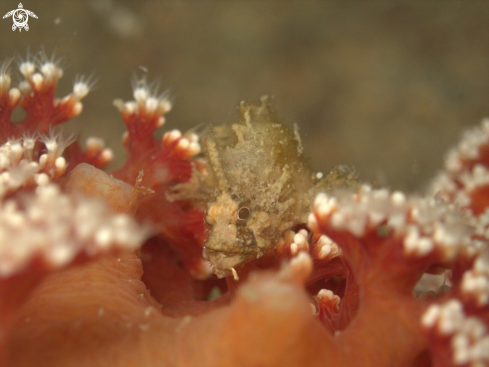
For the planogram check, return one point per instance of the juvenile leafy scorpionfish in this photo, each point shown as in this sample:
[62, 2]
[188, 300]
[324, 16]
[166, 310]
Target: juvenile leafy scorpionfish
[262, 186]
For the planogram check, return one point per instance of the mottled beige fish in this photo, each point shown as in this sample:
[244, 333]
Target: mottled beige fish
[262, 186]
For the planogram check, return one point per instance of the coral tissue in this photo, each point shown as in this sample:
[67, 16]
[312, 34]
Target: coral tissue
[106, 269]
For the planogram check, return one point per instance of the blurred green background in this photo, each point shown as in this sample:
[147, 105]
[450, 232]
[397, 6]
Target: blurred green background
[385, 86]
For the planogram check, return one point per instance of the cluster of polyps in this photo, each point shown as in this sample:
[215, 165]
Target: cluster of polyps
[425, 232]
[461, 322]
[32, 153]
[468, 335]
[187, 145]
[57, 227]
[20, 167]
[463, 319]
[465, 180]
[38, 220]
[36, 95]
[145, 114]
[424, 226]
[169, 171]
[320, 247]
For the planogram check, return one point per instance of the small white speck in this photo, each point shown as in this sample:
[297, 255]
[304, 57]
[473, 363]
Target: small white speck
[143, 327]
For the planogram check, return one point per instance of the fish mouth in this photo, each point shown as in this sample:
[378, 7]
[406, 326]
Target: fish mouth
[223, 261]
[246, 253]
[208, 253]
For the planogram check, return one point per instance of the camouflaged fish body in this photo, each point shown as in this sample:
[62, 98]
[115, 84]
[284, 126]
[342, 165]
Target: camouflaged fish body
[262, 186]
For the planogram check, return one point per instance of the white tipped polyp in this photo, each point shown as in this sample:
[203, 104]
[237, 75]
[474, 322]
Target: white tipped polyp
[48, 69]
[47, 193]
[165, 106]
[140, 94]
[325, 294]
[14, 95]
[301, 266]
[5, 81]
[324, 252]
[203, 269]
[51, 71]
[5, 177]
[41, 179]
[430, 316]
[312, 222]
[398, 198]
[380, 195]
[51, 144]
[481, 265]
[107, 155]
[80, 90]
[460, 344]
[24, 87]
[326, 247]
[15, 219]
[60, 163]
[192, 137]
[477, 285]
[43, 160]
[77, 109]
[29, 143]
[130, 107]
[95, 144]
[160, 122]
[38, 80]
[300, 239]
[194, 148]
[104, 237]
[324, 204]
[183, 144]
[171, 136]
[119, 104]
[417, 245]
[61, 255]
[27, 68]
[294, 249]
[425, 246]
[321, 198]
[338, 220]
[451, 317]
[16, 148]
[151, 104]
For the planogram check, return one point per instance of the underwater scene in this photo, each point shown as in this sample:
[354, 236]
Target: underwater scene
[244, 183]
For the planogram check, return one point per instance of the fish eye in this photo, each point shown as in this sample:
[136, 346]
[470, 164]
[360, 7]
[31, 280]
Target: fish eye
[244, 213]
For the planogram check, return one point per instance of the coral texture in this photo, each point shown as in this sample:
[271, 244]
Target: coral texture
[105, 269]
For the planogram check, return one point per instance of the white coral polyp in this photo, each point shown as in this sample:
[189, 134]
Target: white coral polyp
[57, 227]
[424, 224]
[469, 340]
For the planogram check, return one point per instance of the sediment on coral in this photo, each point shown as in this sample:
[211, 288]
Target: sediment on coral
[106, 268]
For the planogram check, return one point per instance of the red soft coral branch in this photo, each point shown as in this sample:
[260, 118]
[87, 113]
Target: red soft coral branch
[166, 164]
